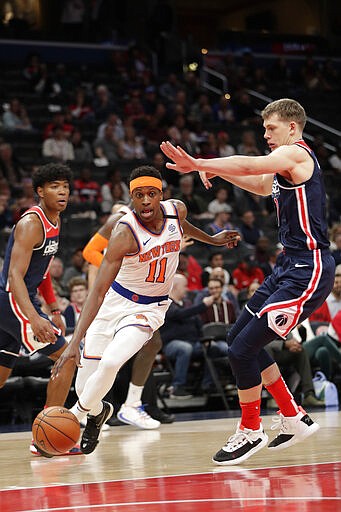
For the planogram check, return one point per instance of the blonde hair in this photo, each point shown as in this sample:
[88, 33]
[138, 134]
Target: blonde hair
[287, 110]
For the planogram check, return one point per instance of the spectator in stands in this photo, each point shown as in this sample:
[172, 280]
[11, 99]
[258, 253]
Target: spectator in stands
[155, 131]
[107, 189]
[249, 230]
[57, 273]
[196, 205]
[78, 291]
[245, 295]
[190, 268]
[224, 112]
[59, 120]
[86, 189]
[246, 273]
[248, 145]
[15, 118]
[189, 141]
[106, 148]
[221, 310]
[222, 220]
[223, 145]
[228, 292]
[6, 214]
[335, 159]
[131, 147]
[81, 148]
[181, 334]
[117, 126]
[79, 108]
[71, 20]
[332, 304]
[324, 347]
[10, 167]
[216, 260]
[134, 109]
[220, 201]
[36, 73]
[103, 103]
[24, 199]
[244, 110]
[201, 111]
[291, 352]
[78, 267]
[267, 266]
[336, 253]
[57, 147]
[169, 88]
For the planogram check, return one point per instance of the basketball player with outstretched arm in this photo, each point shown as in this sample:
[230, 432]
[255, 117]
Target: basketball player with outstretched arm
[300, 282]
[129, 298]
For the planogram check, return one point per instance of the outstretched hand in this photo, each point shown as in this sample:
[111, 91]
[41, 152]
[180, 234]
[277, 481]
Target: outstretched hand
[183, 161]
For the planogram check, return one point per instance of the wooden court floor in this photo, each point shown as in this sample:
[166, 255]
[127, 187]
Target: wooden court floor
[170, 470]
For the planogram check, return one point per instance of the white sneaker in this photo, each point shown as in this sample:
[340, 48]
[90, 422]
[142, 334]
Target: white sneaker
[137, 416]
[293, 429]
[240, 446]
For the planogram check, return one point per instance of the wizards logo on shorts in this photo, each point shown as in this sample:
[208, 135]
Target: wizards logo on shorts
[281, 319]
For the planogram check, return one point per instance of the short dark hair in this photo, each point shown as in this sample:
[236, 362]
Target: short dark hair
[145, 170]
[50, 172]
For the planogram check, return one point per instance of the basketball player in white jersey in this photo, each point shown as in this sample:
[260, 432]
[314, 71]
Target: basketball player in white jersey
[129, 297]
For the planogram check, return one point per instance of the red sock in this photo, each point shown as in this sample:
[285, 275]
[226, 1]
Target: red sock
[283, 397]
[251, 415]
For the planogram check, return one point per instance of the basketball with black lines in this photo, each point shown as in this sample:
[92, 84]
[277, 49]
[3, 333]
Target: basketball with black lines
[55, 430]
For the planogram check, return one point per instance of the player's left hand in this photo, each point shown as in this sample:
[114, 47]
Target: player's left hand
[58, 322]
[230, 238]
[183, 161]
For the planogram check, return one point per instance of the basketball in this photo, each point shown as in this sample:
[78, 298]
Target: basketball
[55, 430]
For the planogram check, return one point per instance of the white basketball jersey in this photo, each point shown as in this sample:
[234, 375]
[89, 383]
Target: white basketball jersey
[150, 271]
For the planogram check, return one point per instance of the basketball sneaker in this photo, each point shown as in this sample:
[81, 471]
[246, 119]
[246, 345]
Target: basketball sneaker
[293, 429]
[137, 416]
[93, 428]
[38, 452]
[240, 446]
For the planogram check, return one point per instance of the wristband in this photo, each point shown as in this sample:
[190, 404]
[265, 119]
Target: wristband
[56, 312]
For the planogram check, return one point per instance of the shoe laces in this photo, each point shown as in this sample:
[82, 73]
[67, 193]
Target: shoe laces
[237, 439]
[284, 422]
[142, 413]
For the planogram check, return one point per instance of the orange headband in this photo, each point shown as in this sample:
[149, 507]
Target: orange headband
[145, 181]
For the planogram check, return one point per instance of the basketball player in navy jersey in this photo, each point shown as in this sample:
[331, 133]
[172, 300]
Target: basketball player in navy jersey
[30, 249]
[300, 282]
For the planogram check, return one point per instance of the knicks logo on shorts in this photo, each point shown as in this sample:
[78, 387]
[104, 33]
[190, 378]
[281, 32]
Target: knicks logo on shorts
[141, 317]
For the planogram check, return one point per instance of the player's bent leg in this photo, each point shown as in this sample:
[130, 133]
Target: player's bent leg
[59, 387]
[100, 382]
[5, 373]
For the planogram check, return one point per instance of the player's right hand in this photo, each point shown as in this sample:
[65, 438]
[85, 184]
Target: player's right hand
[71, 352]
[43, 330]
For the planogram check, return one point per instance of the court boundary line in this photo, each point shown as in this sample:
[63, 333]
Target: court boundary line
[215, 470]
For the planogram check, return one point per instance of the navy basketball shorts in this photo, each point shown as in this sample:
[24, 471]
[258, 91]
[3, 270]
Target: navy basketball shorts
[299, 284]
[15, 331]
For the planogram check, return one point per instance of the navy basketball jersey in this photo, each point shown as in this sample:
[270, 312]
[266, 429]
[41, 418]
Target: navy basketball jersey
[301, 210]
[41, 256]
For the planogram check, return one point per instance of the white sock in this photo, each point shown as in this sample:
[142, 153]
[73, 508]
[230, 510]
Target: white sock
[134, 394]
